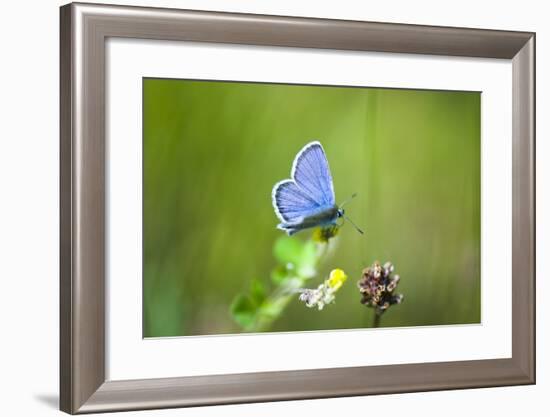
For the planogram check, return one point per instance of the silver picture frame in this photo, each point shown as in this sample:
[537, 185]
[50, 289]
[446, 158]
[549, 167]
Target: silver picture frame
[84, 29]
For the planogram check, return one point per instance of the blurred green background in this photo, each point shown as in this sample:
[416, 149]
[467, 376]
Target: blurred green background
[212, 152]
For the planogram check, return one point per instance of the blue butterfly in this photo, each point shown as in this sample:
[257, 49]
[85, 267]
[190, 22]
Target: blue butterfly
[307, 199]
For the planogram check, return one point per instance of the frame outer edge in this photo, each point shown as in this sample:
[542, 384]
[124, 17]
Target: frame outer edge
[301, 384]
[288, 31]
[65, 203]
[82, 199]
[523, 206]
[89, 225]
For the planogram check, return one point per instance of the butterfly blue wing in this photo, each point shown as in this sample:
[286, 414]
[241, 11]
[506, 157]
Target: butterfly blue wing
[310, 190]
[291, 203]
[311, 173]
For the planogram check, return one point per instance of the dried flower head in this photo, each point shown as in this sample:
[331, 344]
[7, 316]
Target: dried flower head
[377, 287]
[325, 293]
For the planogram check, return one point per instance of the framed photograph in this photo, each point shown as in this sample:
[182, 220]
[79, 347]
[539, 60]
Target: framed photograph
[262, 208]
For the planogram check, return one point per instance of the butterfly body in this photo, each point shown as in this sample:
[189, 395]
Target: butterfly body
[307, 199]
[323, 218]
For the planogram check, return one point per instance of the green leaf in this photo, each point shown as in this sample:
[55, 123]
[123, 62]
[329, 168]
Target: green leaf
[288, 250]
[257, 292]
[243, 310]
[279, 274]
[297, 257]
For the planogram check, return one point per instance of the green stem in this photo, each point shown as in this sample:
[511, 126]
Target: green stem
[276, 303]
[282, 297]
[264, 321]
[376, 320]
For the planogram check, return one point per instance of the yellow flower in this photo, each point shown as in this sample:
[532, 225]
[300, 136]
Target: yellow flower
[336, 279]
[324, 294]
[323, 234]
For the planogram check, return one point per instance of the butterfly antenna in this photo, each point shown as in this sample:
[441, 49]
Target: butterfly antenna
[348, 200]
[354, 225]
